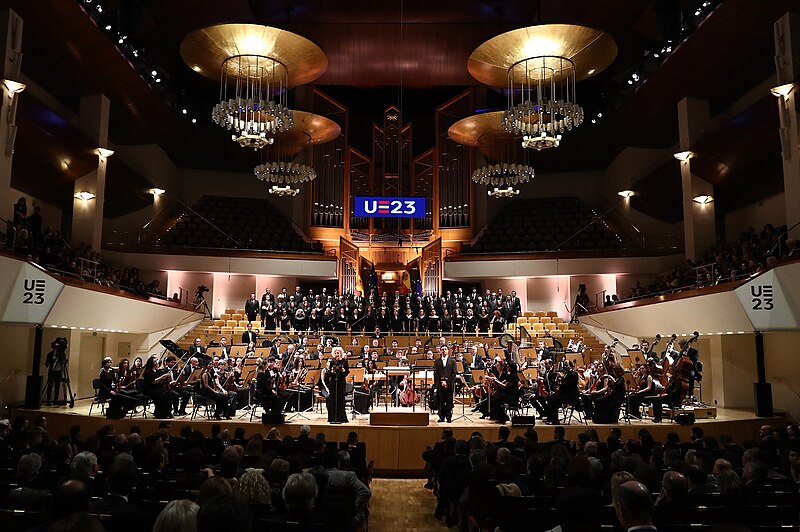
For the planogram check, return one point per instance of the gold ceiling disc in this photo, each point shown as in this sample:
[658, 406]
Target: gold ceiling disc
[589, 49]
[205, 50]
[309, 130]
[484, 129]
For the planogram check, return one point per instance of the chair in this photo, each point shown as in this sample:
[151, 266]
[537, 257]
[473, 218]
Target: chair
[521, 320]
[574, 410]
[538, 327]
[232, 323]
[540, 314]
[528, 314]
[551, 313]
[200, 401]
[237, 315]
[545, 320]
[98, 399]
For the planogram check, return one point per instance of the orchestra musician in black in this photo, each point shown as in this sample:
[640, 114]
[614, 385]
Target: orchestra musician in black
[180, 395]
[266, 382]
[155, 380]
[566, 392]
[249, 335]
[337, 384]
[198, 350]
[119, 402]
[212, 389]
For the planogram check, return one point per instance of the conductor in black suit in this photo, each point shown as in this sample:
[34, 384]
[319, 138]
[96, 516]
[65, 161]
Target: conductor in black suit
[249, 335]
[444, 374]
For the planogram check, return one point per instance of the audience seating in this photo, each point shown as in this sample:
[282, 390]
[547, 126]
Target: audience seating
[541, 224]
[240, 223]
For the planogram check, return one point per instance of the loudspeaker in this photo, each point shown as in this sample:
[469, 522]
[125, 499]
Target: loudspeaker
[33, 392]
[272, 419]
[523, 421]
[685, 418]
[763, 393]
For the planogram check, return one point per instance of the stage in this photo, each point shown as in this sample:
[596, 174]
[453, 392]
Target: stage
[397, 450]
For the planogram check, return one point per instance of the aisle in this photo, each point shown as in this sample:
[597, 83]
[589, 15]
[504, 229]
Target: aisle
[402, 504]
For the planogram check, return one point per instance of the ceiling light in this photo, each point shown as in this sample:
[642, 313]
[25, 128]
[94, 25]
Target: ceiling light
[285, 172]
[625, 193]
[104, 153]
[539, 67]
[703, 199]
[194, 120]
[283, 191]
[13, 87]
[684, 156]
[184, 111]
[85, 195]
[782, 91]
[154, 73]
[508, 192]
[155, 191]
[503, 174]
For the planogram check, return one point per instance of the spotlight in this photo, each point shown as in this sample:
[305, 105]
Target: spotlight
[154, 73]
[108, 27]
[184, 111]
[194, 120]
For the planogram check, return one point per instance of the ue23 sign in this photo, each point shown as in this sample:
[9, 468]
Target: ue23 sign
[388, 207]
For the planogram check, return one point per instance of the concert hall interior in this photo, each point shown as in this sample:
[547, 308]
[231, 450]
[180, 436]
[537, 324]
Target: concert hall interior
[394, 218]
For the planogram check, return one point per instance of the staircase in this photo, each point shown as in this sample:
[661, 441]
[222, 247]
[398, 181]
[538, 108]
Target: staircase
[200, 331]
[594, 346]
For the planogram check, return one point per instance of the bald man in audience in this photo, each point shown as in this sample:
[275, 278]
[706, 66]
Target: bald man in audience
[634, 507]
[674, 489]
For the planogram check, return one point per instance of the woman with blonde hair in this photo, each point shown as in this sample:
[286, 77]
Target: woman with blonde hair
[177, 516]
[253, 488]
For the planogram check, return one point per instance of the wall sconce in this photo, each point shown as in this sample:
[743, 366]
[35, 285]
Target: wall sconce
[85, 195]
[625, 193]
[703, 199]
[13, 87]
[155, 191]
[782, 91]
[684, 156]
[104, 153]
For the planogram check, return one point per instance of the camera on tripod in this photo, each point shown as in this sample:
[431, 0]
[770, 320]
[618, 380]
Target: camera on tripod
[201, 289]
[59, 346]
[58, 374]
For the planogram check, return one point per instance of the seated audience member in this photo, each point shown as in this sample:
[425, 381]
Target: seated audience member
[347, 480]
[124, 515]
[634, 507]
[253, 489]
[224, 512]
[673, 497]
[177, 516]
[26, 497]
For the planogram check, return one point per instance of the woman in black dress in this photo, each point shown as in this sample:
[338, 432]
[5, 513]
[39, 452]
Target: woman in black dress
[483, 322]
[337, 383]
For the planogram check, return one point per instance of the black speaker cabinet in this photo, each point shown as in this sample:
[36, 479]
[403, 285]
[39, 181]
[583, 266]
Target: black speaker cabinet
[685, 418]
[523, 421]
[33, 392]
[763, 393]
[272, 419]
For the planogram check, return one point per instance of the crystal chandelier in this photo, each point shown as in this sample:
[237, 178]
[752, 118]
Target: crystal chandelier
[283, 191]
[541, 101]
[539, 67]
[508, 192]
[503, 174]
[256, 107]
[285, 172]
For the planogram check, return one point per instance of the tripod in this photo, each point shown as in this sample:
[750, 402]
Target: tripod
[61, 369]
[200, 302]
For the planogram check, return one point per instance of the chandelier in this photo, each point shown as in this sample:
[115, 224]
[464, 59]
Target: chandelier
[255, 108]
[283, 191]
[508, 192]
[255, 66]
[539, 67]
[285, 172]
[503, 174]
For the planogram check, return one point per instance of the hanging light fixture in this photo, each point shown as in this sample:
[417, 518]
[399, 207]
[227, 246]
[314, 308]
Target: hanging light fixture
[311, 130]
[506, 167]
[256, 65]
[508, 192]
[283, 191]
[539, 67]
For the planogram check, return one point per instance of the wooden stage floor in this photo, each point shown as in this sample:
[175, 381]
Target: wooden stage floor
[397, 450]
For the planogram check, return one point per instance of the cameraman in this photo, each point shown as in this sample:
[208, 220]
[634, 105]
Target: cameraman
[56, 364]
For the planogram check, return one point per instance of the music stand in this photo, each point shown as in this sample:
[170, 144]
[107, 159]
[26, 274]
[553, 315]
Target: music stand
[630, 383]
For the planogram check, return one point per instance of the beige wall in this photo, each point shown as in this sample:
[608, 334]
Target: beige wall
[771, 210]
[51, 215]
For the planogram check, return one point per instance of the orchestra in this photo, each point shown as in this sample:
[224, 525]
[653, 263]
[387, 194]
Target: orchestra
[441, 373]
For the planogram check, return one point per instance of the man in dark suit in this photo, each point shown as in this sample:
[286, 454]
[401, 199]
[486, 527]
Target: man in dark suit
[197, 350]
[444, 374]
[251, 308]
[249, 335]
[516, 304]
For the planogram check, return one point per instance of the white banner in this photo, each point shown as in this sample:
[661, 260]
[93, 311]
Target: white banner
[767, 304]
[32, 296]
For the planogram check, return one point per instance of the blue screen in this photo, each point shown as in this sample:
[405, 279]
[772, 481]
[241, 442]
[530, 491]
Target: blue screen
[389, 207]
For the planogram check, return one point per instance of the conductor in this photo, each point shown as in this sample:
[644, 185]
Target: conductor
[444, 374]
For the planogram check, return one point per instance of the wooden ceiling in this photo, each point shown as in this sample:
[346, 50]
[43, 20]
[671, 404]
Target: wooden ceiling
[370, 52]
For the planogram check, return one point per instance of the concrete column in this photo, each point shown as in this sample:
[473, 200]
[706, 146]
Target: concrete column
[698, 220]
[87, 215]
[11, 49]
[787, 63]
